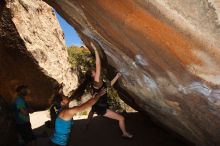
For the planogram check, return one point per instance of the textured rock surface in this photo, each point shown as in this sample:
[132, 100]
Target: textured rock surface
[168, 52]
[32, 51]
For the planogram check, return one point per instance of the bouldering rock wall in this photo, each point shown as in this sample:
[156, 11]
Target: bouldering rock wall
[168, 52]
[32, 51]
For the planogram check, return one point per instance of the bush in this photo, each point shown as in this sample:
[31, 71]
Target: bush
[80, 57]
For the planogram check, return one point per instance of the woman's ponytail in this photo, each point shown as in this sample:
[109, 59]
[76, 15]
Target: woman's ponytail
[55, 107]
[81, 88]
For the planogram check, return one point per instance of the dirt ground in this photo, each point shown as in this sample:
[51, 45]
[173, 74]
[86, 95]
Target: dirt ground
[105, 132]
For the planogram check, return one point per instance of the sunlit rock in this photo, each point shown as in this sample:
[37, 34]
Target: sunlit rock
[33, 51]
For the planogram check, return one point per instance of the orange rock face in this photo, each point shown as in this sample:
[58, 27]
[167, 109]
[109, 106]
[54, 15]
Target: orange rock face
[168, 53]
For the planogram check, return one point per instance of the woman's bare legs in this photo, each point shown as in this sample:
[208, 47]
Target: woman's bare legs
[113, 115]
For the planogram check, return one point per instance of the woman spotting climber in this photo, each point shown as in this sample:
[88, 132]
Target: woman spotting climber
[64, 119]
[101, 106]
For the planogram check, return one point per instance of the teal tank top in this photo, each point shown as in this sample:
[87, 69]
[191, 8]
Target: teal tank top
[62, 131]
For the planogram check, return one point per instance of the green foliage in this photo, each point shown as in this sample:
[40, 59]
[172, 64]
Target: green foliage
[80, 57]
[84, 113]
[114, 100]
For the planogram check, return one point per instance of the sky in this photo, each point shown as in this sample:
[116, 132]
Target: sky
[70, 35]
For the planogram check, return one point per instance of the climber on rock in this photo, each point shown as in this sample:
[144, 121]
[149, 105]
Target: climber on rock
[22, 117]
[101, 107]
[64, 118]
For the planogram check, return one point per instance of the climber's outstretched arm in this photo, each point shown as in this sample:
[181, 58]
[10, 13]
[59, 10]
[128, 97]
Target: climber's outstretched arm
[98, 64]
[113, 81]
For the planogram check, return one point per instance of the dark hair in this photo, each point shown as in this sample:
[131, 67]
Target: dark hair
[88, 75]
[57, 98]
[77, 94]
[22, 90]
[55, 107]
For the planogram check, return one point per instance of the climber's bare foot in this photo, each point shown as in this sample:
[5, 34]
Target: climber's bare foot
[127, 136]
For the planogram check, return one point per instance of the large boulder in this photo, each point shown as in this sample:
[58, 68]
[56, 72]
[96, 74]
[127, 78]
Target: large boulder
[168, 54]
[32, 51]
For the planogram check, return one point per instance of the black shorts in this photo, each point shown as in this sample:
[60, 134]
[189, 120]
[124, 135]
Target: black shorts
[99, 110]
[26, 132]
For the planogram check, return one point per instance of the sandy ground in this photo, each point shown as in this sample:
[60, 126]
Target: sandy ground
[39, 118]
[105, 132]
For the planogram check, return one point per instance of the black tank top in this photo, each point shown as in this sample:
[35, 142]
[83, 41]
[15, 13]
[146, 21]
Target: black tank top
[103, 100]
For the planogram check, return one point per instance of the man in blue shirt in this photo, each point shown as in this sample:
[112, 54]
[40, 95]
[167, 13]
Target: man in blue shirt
[22, 117]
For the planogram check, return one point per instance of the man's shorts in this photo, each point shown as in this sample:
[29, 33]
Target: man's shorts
[26, 132]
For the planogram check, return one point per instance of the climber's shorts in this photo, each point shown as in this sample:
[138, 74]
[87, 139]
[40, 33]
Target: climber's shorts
[101, 111]
[26, 132]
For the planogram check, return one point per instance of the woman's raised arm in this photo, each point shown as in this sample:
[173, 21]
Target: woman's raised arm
[113, 81]
[72, 111]
[98, 64]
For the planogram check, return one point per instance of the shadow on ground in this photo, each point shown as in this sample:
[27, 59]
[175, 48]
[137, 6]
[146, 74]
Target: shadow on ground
[105, 132]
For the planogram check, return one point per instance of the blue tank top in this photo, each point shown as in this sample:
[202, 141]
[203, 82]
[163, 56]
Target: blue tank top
[62, 131]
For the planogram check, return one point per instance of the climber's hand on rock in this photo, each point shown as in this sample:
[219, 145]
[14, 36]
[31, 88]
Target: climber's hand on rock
[93, 46]
[118, 74]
